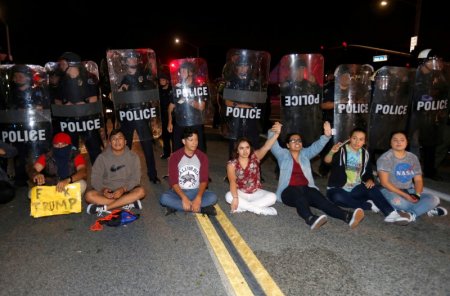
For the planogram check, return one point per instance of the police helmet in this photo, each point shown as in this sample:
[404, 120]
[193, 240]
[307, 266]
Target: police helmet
[243, 60]
[22, 69]
[187, 65]
[163, 75]
[131, 53]
[299, 63]
[430, 55]
[72, 58]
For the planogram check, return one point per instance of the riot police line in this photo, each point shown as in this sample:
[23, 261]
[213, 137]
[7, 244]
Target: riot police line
[389, 99]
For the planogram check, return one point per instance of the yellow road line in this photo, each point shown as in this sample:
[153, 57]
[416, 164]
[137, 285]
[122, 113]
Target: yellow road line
[232, 272]
[264, 279]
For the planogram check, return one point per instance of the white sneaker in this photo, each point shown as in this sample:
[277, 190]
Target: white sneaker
[319, 222]
[394, 217]
[357, 216]
[374, 208]
[438, 211]
[268, 211]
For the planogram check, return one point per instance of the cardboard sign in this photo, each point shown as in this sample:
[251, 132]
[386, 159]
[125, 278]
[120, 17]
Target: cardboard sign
[46, 201]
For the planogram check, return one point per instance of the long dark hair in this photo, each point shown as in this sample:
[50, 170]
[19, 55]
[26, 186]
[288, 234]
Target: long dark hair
[235, 154]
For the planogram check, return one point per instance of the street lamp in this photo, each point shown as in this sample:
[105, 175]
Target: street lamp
[418, 7]
[8, 45]
[197, 48]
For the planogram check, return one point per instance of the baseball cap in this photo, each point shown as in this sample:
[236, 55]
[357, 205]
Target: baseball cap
[62, 138]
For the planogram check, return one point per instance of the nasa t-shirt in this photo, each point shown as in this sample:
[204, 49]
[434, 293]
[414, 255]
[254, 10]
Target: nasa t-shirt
[401, 170]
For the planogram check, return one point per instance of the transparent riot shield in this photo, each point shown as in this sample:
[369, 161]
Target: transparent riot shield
[25, 117]
[390, 107]
[352, 94]
[301, 91]
[244, 97]
[134, 89]
[191, 92]
[430, 104]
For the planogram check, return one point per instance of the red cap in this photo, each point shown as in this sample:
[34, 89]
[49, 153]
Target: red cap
[62, 138]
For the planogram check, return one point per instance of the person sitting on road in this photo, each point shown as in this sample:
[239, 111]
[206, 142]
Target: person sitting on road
[296, 186]
[351, 183]
[246, 193]
[7, 190]
[116, 177]
[401, 177]
[61, 166]
[188, 179]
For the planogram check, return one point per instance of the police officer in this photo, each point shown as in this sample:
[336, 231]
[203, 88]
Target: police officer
[25, 95]
[189, 110]
[137, 78]
[77, 87]
[165, 97]
[243, 127]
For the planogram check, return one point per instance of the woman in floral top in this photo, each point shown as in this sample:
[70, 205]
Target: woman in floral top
[246, 193]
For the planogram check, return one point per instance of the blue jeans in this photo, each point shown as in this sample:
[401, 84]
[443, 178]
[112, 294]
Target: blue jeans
[358, 197]
[171, 199]
[427, 202]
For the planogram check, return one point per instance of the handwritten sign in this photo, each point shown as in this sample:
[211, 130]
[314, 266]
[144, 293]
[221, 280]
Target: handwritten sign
[46, 201]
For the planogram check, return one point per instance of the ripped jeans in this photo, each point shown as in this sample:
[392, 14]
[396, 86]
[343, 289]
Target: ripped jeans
[427, 202]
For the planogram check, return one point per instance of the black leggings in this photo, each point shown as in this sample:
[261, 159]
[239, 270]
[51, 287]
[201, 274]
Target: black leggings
[304, 197]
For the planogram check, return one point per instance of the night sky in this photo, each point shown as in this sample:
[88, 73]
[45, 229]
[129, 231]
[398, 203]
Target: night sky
[281, 30]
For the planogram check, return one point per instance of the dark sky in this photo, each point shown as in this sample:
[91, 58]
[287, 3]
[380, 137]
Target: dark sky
[280, 30]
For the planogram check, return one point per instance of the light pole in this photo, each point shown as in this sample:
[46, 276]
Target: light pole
[8, 45]
[197, 48]
[418, 7]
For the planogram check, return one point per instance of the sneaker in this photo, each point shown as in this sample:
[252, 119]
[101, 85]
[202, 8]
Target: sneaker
[135, 205]
[438, 211]
[373, 207]
[357, 216]
[268, 211]
[410, 216]
[170, 211]
[395, 217]
[318, 221]
[97, 210]
[209, 210]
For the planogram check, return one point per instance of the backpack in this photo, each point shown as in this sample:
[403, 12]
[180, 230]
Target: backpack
[116, 218]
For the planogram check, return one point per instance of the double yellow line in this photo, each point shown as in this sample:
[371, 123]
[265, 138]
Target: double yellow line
[236, 281]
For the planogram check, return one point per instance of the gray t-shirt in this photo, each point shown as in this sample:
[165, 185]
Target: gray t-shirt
[401, 170]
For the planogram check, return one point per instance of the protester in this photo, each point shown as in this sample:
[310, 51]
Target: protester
[401, 177]
[351, 183]
[246, 193]
[188, 179]
[296, 186]
[116, 178]
[61, 166]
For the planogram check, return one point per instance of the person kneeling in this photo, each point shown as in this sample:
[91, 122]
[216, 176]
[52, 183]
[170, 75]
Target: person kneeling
[116, 176]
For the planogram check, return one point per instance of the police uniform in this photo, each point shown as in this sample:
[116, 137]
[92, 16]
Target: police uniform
[78, 90]
[165, 97]
[139, 81]
[183, 107]
[26, 97]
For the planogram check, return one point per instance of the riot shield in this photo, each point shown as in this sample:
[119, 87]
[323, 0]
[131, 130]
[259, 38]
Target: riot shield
[389, 110]
[191, 90]
[246, 75]
[301, 91]
[77, 107]
[352, 94]
[25, 117]
[430, 103]
[134, 89]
